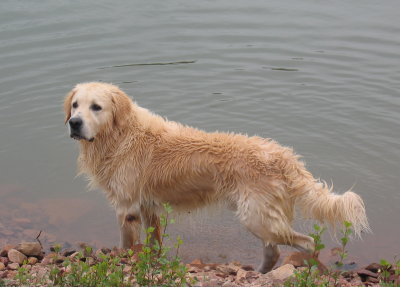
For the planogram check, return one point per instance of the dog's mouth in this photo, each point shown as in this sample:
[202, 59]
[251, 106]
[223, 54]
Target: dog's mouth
[79, 137]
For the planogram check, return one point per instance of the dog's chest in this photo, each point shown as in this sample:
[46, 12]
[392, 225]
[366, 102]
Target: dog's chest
[120, 181]
[123, 184]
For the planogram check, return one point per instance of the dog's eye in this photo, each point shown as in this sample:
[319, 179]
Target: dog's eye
[75, 105]
[95, 107]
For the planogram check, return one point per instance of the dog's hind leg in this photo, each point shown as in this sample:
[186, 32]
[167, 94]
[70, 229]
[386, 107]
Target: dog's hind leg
[270, 257]
[302, 242]
[271, 240]
[270, 224]
[254, 223]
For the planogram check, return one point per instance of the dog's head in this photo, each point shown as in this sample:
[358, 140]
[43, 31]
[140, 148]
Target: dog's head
[95, 108]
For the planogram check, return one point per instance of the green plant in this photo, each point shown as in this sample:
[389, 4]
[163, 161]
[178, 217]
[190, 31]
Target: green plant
[154, 268]
[22, 276]
[154, 265]
[387, 270]
[346, 231]
[310, 276]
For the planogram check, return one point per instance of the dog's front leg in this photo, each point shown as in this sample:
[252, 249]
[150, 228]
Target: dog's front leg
[130, 223]
[151, 219]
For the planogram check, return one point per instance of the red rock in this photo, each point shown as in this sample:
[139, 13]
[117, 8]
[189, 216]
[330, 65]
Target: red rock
[372, 279]
[69, 252]
[13, 266]
[11, 274]
[373, 267]
[117, 252]
[27, 267]
[32, 260]
[49, 258]
[16, 257]
[228, 269]
[75, 255]
[4, 260]
[108, 250]
[197, 261]
[364, 273]
[241, 276]
[2, 266]
[3, 274]
[192, 269]
[263, 280]
[248, 267]
[283, 272]
[30, 248]
[222, 275]
[297, 260]
[5, 249]
[59, 259]
[211, 283]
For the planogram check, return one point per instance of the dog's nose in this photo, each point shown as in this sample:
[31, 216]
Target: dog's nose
[75, 123]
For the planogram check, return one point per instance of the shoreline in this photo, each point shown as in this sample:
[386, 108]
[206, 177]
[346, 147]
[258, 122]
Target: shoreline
[35, 262]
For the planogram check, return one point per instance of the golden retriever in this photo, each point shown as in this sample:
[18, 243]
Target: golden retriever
[142, 160]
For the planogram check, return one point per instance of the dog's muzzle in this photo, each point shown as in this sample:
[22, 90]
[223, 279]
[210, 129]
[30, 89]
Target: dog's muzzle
[76, 125]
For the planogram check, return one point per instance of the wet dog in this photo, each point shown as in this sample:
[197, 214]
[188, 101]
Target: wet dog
[142, 160]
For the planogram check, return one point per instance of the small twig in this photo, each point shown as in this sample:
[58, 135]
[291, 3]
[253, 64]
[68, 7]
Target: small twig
[37, 238]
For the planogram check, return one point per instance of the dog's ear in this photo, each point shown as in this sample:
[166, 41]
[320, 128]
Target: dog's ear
[122, 108]
[67, 105]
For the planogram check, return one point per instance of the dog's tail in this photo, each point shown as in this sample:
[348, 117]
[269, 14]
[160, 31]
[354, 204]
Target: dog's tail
[316, 200]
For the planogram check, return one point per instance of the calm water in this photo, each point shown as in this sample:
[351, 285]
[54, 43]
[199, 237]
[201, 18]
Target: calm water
[323, 77]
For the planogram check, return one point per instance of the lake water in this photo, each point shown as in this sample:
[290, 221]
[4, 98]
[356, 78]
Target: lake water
[323, 77]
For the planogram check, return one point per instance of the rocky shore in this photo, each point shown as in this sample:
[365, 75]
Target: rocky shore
[30, 257]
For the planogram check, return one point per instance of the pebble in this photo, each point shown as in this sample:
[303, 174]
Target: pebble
[2, 266]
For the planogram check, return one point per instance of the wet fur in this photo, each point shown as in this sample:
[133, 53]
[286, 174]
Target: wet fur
[142, 160]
